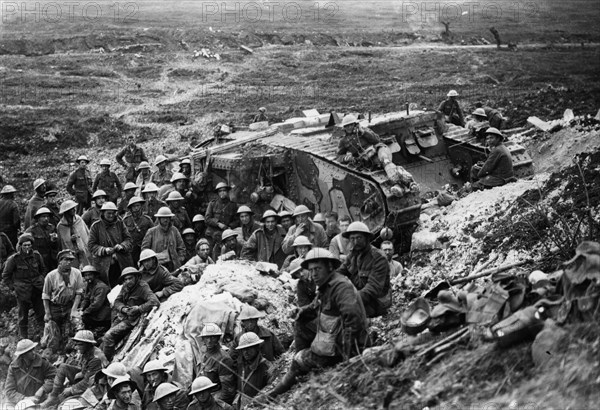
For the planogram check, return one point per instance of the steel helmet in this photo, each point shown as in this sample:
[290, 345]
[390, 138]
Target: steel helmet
[228, 233]
[178, 176]
[262, 109]
[188, 231]
[71, 404]
[67, 205]
[98, 193]
[185, 161]
[38, 183]
[285, 214]
[349, 119]
[118, 382]
[244, 209]
[320, 254]
[174, 196]
[147, 254]
[480, 112]
[164, 212]
[23, 346]
[89, 268]
[248, 340]
[160, 159]
[82, 158]
[319, 217]
[163, 390]
[302, 241]
[43, 211]
[128, 271]
[150, 187]
[199, 218]
[108, 206]
[494, 131]
[8, 189]
[250, 312]
[211, 329]
[135, 200]
[143, 165]
[105, 162]
[154, 366]
[129, 185]
[269, 213]
[301, 209]
[357, 227]
[254, 197]
[85, 336]
[200, 384]
[115, 370]
[50, 192]
[222, 185]
[452, 93]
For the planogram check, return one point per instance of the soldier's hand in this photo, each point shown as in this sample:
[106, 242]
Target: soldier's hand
[109, 251]
[119, 248]
[299, 229]
[222, 225]
[47, 317]
[159, 294]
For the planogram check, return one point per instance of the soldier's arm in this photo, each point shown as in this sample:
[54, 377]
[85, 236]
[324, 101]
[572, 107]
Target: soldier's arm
[120, 156]
[151, 300]
[49, 373]
[346, 297]
[96, 300]
[10, 387]
[288, 241]
[370, 135]
[126, 241]
[118, 184]
[377, 278]
[490, 163]
[70, 183]
[171, 284]
[93, 367]
[7, 274]
[143, 156]
[249, 251]
[147, 241]
[180, 246]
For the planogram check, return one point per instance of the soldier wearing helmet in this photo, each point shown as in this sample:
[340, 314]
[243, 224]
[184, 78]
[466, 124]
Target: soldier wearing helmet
[163, 175]
[253, 369]
[110, 244]
[169, 396]
[45, 237]
[133, 155]
[10, 218]
[189, 240]
[79, 184]
[304, 226]
[153, 204]
[50, 203]
[93, 213]
[129, 190]
[230, 249]
[181, 220]
[137, 225]
[247, 224]
[270, 347]
[35, 202]
[134, 299]
[217, 364]
[161, 282]
[498, 167]
[341, 320]
[199, 225]
[63, 290]
[492, 115]
[368, 270]
[261, 116]
[340, 246]
[108, 182]
[220, 215]
[155, 374]
[265, 244]
[201, 389]
[143, 177]
[451, 109]
[95, 308]
[73, 234]
[356, 140]
[121, 394]
[165, 240]
[478, 124]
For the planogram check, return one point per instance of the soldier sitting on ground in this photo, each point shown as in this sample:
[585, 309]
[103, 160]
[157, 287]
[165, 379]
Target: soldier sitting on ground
[161, 282]
[231, 248]
[498, 168]
[478, 124]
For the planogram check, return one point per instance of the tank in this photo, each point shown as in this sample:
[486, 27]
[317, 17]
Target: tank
[294, 163]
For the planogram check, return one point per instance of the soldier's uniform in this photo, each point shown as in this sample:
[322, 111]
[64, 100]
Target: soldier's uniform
[43, 244]
[133, 156]
[223, 211]
[137, 228]
[161, 178]
[91, 215]
[109, 183]
[152, 206]
[79, 185]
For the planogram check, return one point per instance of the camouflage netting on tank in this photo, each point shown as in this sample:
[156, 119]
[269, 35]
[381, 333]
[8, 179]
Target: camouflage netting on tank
[171, 333]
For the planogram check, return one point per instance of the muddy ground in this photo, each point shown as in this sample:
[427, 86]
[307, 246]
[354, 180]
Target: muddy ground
[77, 85]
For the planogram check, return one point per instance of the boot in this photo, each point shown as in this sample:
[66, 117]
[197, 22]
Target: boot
[285, 384]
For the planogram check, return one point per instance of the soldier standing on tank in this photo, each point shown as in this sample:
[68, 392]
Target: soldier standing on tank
[133, 156]
[79, 184]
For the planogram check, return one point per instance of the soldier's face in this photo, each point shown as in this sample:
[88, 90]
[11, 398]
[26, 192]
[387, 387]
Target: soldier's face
[110, 216]
[301, 219]
[83, 164]
[223, 193]
[167, 402]
[331, 222]
[104, 168]
[270, 224]
[230, 242]
[358, 240]
[164, 222]
[180, 184]
[245, 218]
[492, 140]
[149, 264]
[129, 280]
[203, 251]
[344, 226]
[154, 377]
[65, 263]
[135, 208]
[249, 325]
[100, 200]
[302, 250]
[202, 396]
[250, 353]
[27, 247]
[51, 199]
[388, 251]
[43, 220]
[286, 222]
[88, 277]
[211, 342]
[320, 272]
[124, 394]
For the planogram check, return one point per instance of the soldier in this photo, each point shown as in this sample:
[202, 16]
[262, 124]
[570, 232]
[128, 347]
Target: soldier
[231, 248]
[143, 177]
[165, 240]
[137, 225]
[35, 202]
[253, 369]
[203, 399]
[261, 116]
[342, 323]
[95, 308]
[79, 184]
[493, 116]
[498, 168]
[45, 237]
[154, 374]
[286, 220]
[320, 219]
[339, 246]
[388, 250]
[134, 299]
[247, 224]
[133, 155]
[129, 190]
[185, 167]
[199, 224]
[331, 225]
[359, 144]
[108, 182]
[153, 204]
[197, 264]
[110, 244]
[304, 226]
[6, 249]
[10, 220]
[181, 220]
[479, 124]
[29, 375]
[24, 274]
[161, 282]
[52, 205]
[169, 396]
[163, 175]
[216, 364]
[63, 289]
[271, 347]
[121, 393]
[113, 372]
[93, 213]
[368, 270]
[79, 375]
[264, 245]
[451, 109]
[220, 215]
[73, 234]
[178, 183]
[189, 240]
